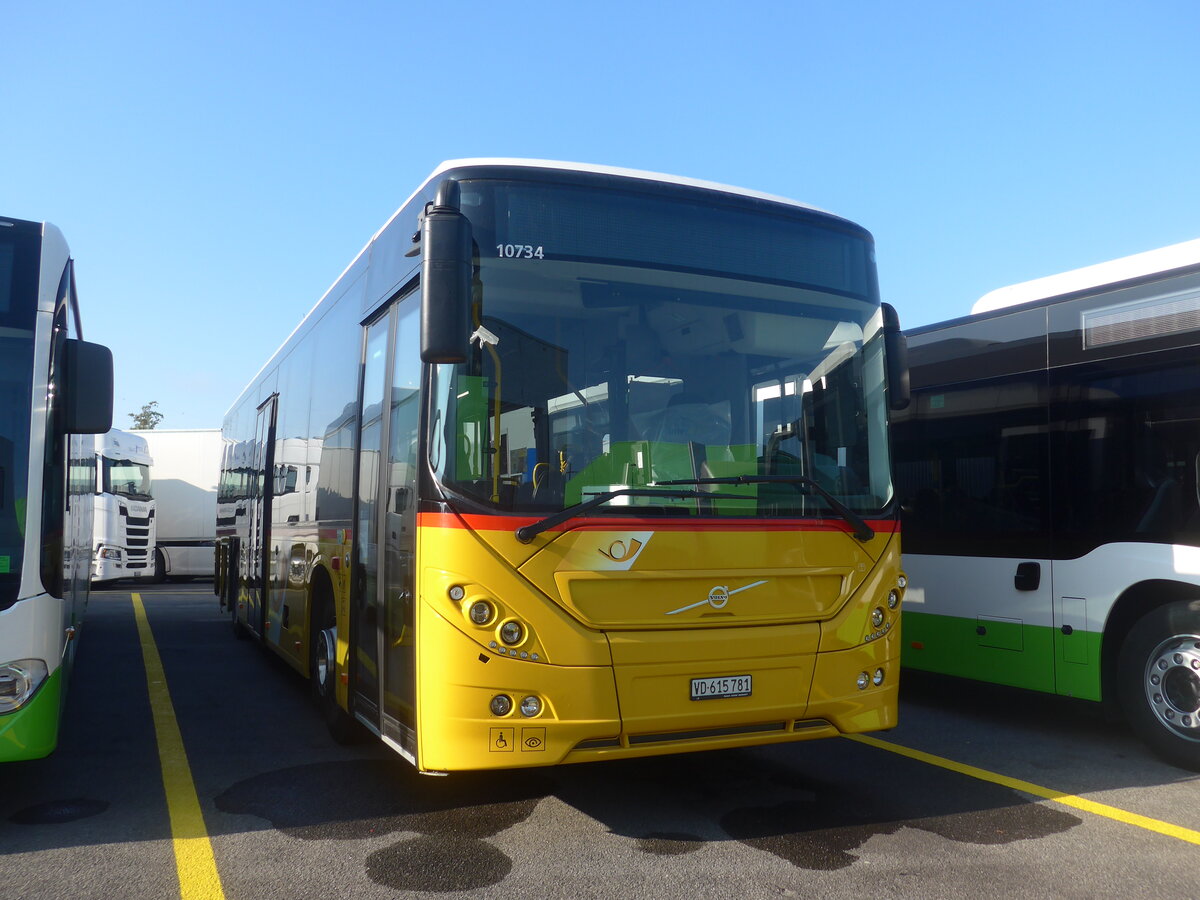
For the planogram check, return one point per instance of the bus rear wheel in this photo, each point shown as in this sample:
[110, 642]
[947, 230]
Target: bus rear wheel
[322, 669]
[1159, 675]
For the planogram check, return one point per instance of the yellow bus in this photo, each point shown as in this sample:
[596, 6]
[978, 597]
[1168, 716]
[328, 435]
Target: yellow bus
[577, 463]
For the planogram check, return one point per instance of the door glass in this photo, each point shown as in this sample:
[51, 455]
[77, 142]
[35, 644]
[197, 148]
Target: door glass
[367, 618]
[400, 519]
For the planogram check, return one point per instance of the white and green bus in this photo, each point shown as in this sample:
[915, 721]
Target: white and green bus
[54, 387]
[1049, 471]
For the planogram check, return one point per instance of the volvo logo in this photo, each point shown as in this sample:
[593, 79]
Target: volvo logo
[718, 597]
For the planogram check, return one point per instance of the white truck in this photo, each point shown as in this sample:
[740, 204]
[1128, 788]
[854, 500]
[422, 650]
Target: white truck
[187, 466]
[124, 522]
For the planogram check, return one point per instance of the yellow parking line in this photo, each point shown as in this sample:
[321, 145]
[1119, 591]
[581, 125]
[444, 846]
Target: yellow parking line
[194, 861]
[1076, 802]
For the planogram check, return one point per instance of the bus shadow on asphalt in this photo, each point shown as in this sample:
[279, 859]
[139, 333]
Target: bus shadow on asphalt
[812, 806]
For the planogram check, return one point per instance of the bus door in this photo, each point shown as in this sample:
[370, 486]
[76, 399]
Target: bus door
[366, 617]
[259, 536]
[398, 505]
[384, 646]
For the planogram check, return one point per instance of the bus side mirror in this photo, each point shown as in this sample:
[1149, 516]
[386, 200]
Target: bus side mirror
[895, 351]
[87, 388]
[445, 279]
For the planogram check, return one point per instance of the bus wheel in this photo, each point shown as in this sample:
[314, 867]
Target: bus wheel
[322, 674]
[1159, 681]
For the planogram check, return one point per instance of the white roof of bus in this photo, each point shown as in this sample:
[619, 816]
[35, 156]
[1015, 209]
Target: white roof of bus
[615, 170]
[600, 170]
[1115, 270]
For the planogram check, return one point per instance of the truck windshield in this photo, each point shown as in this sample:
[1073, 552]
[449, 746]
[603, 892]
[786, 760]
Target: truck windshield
[629, 339]
[18, 295]
[127, 478]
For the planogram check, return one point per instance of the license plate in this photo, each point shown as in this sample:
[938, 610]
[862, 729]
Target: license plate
[721, 687]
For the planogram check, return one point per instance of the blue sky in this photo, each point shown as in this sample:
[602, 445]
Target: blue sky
[216, 165]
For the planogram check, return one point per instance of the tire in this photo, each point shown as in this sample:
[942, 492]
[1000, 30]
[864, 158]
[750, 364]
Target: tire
[1159, 681]
[159, 573]
[322, 672]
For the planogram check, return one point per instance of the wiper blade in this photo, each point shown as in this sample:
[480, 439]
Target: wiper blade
[862, 531]
[527, 533]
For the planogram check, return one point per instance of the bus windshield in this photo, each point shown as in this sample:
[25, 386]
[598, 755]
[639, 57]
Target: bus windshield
[624, 340]
[18, 273]
[127, 478]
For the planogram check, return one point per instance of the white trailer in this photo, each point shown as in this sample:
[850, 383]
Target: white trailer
[187, 464]
[123, 526]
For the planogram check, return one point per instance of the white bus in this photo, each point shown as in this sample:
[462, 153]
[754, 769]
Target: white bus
[125, 508]
[53, 388]
[1049, 471]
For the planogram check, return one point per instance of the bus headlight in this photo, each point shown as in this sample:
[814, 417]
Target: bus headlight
[481, 612]
[457, 592]
[877, 617]
[512, 633]
[19, 680]
[501, 705]
[530, 707]
[893, 599]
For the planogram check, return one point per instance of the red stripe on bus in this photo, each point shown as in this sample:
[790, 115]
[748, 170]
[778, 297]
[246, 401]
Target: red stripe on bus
[512, 523]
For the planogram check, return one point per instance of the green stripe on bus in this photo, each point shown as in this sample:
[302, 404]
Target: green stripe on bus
[32, 731]
[1011, 653]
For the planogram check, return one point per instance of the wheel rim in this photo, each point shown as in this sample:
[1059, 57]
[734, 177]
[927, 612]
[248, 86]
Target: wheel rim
[326, 642]
[1173, 684]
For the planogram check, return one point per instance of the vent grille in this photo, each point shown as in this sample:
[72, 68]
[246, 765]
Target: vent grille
[1161, 316]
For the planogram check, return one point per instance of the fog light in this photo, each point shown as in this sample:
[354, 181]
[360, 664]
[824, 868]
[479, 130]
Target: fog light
[863, 680]
[877, 678]
[457, 592]
[893, 599]
[501, 705]
[481, 612]
[877, 617]
[530, 707]
[511, 633]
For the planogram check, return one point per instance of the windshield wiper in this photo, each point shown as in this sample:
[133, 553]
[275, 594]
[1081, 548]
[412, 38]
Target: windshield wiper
[862, 531]
[527, 533]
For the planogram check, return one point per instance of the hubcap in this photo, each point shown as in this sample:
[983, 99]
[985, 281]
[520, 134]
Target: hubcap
[326, 642]
[1173, 684]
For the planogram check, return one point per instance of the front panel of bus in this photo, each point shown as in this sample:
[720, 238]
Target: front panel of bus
[44, 540]
[705, 372]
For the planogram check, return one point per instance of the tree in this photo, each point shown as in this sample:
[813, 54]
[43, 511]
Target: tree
[148, 418]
